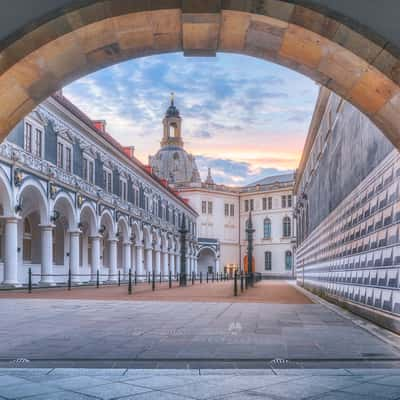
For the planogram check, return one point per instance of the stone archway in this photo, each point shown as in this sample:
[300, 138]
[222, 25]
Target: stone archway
[207, 261]
[331, 49]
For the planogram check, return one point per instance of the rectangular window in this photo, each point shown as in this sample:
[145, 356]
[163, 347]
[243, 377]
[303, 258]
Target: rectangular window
[124, 192]
[264, 203]
[210, 207]
[60, 155]
[38, 143]
[68, 159]
[251, 205]
[268, 260]
[289, 201]
[109, 182]
[28, 138]
[85, 169]
[91, 172]
[283, 201]
[226, 210]
[203, 207]
[246, 205]
[232, 210]
[269, 203]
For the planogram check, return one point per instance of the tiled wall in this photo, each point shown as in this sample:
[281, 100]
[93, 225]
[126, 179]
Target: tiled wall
[355, 252]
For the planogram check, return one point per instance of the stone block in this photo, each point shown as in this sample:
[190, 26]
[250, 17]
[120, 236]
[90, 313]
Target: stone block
[234, 26]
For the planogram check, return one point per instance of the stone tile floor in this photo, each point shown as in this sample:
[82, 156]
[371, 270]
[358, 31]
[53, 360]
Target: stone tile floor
[181, 384]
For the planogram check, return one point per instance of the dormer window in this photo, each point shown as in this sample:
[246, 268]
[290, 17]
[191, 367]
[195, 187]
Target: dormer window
[33, 139]
[88, 169]
[64, 155]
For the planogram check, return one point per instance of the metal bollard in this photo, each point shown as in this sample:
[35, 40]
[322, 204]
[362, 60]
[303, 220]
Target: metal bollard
[201, 277]
[130, 281]
[207, 277]
[153, 282]
[246, 281]
[135, 279]
[192, 278]
[69, 279]
[149, 278]
[160, 277]
[119, 278]
[235, 286]
[30, 281]
[212, 278]
[97, 279]
[170, 280]
[241, 282]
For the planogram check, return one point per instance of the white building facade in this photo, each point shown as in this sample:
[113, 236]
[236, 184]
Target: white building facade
[73, 199]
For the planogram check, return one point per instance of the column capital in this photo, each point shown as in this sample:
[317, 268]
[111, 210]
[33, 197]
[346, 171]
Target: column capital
[75, 232]
[127, 243]
[11, 218]
[46, 227]
[139, 245]
[113, 240]
[95, 237]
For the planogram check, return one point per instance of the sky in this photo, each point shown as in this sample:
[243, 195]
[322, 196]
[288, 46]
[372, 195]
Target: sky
[243, 117]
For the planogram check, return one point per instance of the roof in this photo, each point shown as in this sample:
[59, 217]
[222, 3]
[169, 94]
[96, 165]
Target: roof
[285, 178]
[105, 135]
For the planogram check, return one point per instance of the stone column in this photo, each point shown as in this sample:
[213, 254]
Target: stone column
[165, 262]
[127, 259]
[158, 262]
[217, 264]
[139, 260]
[177, 266]
[133, 258]
[74, 256]
[11, 252]
[47, 255]
[172, 262]
[113, 260]
[95, 257]
[149, 260]
[195, 265]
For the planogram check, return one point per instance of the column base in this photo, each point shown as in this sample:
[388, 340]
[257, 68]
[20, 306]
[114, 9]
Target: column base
[10, 285]
[47, 283]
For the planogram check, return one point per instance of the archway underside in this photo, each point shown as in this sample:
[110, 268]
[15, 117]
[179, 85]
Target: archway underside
[82, 41]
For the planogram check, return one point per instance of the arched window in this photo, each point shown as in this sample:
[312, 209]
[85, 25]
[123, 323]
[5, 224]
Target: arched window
[287, 229]
[288, 260]
[267, 228]
[268, 261]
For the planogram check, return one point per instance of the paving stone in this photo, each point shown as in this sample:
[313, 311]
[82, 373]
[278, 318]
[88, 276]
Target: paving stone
[372, 389]
[11, 380]
[113, 390]
[28, 389]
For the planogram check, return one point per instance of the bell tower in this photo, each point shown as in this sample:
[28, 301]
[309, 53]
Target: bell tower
[172, 126]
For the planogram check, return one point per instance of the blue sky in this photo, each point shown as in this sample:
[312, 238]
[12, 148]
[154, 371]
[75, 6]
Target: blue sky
[243, 117]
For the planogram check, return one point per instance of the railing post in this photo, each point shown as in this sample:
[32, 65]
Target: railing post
[69, 279]
[30, 281]
[246, 281]
[135, 281]
[170, 279]
[207, 277]
[241, 282]
[160, 277]
[201, 277]
[130, 281]
[235, 286]
[119, 277]
[192, 278]
[153, 282]
[97, 279]
[149, 278]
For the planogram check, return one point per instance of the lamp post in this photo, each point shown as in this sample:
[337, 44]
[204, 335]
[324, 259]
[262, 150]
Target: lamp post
[250, 231]
[183, 231]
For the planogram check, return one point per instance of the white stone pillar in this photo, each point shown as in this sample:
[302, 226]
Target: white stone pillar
[133, 258]
[127, 258]
[172, 263]
[149, 260]
[165, 262]
[95, 257]
[195, 265]
[139, 260]
[112, 243]
[158, 262]
[177, 266]
[47, 255]
[217, 265]
[74, 256]
[11, 253]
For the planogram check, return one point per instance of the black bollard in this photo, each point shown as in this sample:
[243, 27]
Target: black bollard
[246, 281]
[69, 279]
[130, 281]
[97, 279]
[160, 277]
[153, 282]
[212, 278]
[30, 281]
[170, 280]
[192, 278]
[235, 286]
[119, 278]
[149, 278]
[241, 282]
[207, 277]
[201, 277]
[135, 278]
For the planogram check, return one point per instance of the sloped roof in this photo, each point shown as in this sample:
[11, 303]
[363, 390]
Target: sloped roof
[274, 179]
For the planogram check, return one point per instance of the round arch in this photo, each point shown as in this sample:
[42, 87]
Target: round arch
[5, 195]
[207, 260]
[107, 225]
[64, 206]
[88, 220]
[32, 197]
[124, 226]
[351, 60]
[137, 233]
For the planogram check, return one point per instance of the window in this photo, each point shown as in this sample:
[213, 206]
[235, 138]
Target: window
[286, 227]
[28, 137]
[232, 210]
[264, 203]
[283, 201]
[251, 205]
[267, 228]
[38, 143]
[203, 207]
[68, 159]
[288, 261]
[289, 201]
[268, 261]
[91, 171]
[60, 155]
[124, 191]
[210, 207]
[107, 179]
[269, 203]
[246, 205]
[85, 168]
[226, 210]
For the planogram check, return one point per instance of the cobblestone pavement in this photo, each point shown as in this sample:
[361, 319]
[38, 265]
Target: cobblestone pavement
[107, 384]
[125, 330]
